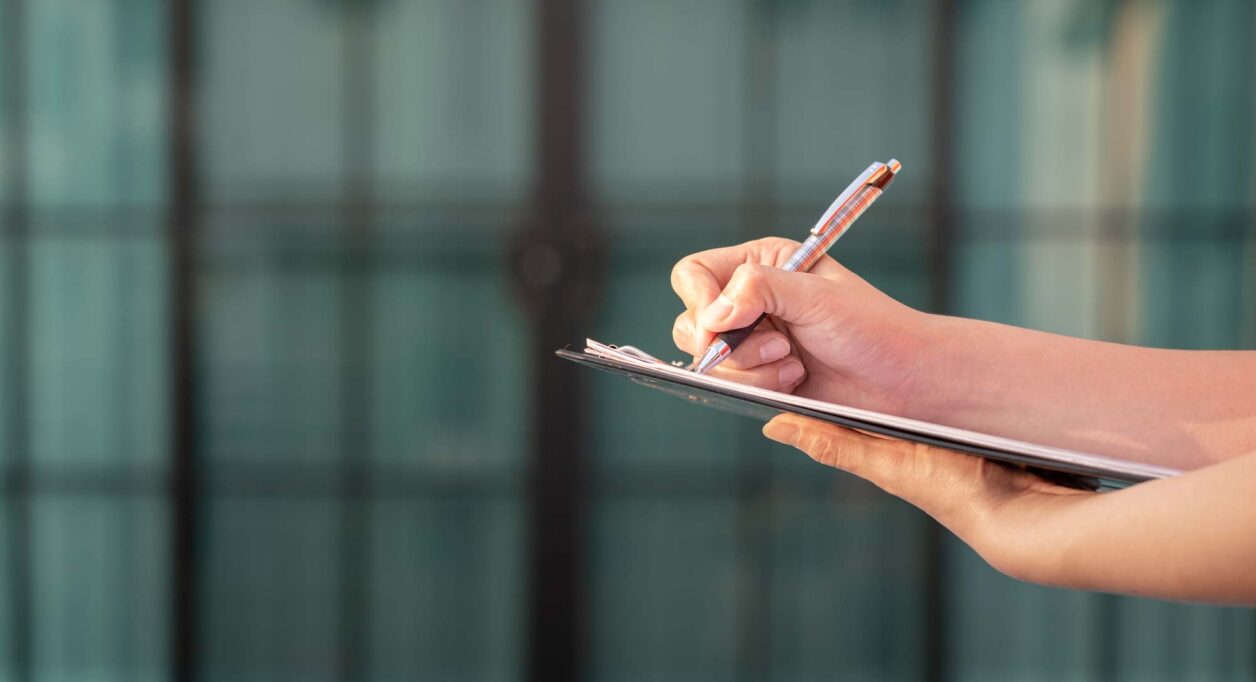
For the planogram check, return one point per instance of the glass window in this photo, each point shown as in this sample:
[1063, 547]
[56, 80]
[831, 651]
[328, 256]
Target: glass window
[452, 99]
[97, 350]
[95, 107]
[99, 595]
[666, 100]
[444, 582]
[272, 342]
[271, 588]
[272, 92]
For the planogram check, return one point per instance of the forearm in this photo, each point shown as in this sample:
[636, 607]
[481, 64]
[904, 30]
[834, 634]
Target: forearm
[1176, 408]
[1192, 537]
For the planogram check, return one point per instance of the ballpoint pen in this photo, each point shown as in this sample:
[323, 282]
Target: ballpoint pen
[841, 214]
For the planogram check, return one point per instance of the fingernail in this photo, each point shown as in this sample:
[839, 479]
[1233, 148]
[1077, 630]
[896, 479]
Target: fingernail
[790, 372]
[774, 350]
[781, 432]
[718, 310]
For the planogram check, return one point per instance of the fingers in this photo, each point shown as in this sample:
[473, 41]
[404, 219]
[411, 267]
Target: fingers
[764, 359]
[765, 345]
[782, 375]
[794, 297]
[882, 461]
[998, 510]
[949, 486]
[699, 278]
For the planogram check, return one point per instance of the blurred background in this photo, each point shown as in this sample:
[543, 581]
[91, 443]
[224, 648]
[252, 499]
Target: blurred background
[280, 283]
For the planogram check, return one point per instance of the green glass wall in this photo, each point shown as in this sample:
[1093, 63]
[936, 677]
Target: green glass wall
[362, 167]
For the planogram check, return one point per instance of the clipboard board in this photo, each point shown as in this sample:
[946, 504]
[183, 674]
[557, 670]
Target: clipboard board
[1067, 467]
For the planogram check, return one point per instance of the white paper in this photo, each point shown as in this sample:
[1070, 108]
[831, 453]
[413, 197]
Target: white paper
[628, 355]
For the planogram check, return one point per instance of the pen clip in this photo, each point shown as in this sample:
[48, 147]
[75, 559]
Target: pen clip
[845, 196]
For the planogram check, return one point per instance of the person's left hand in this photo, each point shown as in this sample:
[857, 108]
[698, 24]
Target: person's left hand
[994, 508]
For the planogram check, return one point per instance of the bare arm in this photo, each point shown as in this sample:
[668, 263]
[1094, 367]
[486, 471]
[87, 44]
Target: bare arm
[834, 337]
[1177, 408]
[1192, 537]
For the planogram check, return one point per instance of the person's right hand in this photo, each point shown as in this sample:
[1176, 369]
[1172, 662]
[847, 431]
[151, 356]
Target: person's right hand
[831, 335]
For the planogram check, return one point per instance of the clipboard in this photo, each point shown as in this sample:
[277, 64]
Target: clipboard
[1068, 467]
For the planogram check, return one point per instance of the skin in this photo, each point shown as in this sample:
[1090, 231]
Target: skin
[834, 337]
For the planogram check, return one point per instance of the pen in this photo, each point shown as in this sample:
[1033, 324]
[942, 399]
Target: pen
[841, 214]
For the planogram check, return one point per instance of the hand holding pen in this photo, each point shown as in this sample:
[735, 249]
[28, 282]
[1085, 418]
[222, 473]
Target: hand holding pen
[839, 217]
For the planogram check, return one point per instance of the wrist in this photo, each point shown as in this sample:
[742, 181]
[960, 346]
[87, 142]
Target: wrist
[933, 392]
[1030, 537]
[951, 365]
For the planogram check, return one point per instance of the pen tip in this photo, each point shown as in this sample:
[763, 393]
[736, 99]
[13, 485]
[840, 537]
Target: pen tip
[714, 353]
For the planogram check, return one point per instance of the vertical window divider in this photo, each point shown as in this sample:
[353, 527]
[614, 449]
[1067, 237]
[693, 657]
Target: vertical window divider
[752, 496]
[17, 365]
[555, 257]
[356, 337]
[182, 232]
[941, 254]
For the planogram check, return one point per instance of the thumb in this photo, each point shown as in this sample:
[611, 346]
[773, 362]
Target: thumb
[941, 483]
[796, 297]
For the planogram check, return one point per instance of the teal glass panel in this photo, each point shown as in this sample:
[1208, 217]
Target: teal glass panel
[453, 92]
[845, 582]
[987, 264]
[6, 178]
[7, 631]
[1204, 109]
[97, 345]
[446, 596]
[1160, 641]
[1197, 266]
[100, 598]
[664, 587]
[1198, 286]
[1001, 629]
[989, 104]
[846, 84]
[272, 340]
[272, 90]
[96, 109]
[8, 394]
[270, 589]
[666, 101]
[448, 362]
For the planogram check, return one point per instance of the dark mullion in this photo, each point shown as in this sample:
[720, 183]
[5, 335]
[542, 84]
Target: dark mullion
[753, 521]
[185, 438]
[554, 260]
[356, 338]
[941, 241]
[17, 365]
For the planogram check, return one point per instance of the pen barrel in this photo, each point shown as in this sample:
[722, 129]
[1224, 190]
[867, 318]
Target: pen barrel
[735, 337]
[837, 224]
[812, 249]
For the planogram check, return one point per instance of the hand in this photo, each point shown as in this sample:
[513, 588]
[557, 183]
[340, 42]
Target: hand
[1001, 512]
[831, 335]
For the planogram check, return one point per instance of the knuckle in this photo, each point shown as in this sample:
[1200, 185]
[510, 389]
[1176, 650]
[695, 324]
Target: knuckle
[777, 244]
[747, 278]
[824, 448]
